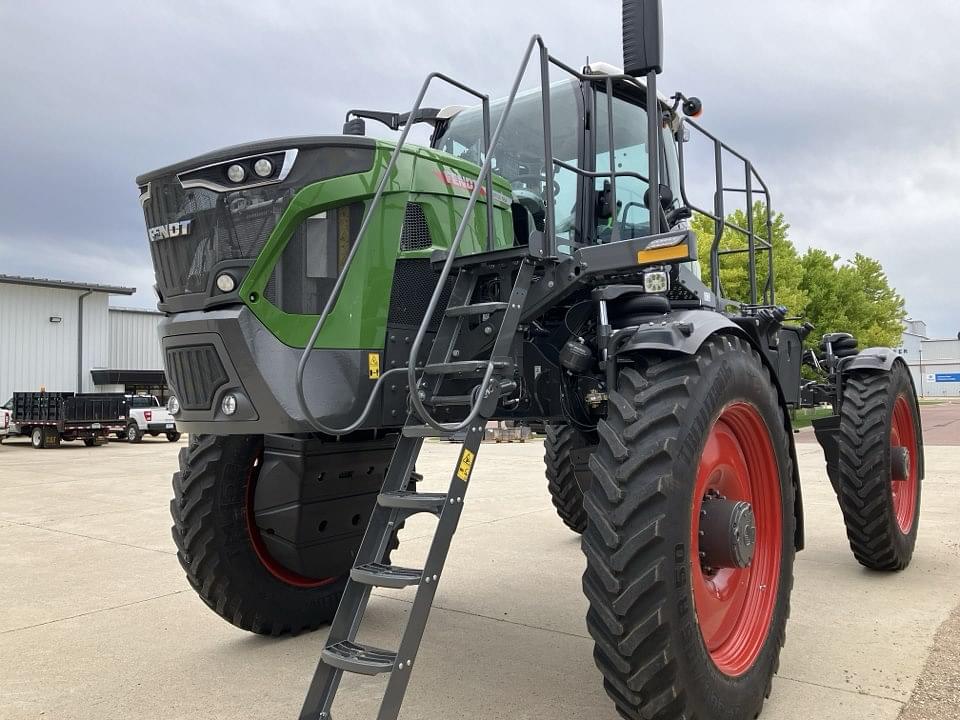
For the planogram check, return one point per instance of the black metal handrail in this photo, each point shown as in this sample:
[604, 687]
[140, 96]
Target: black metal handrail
[721, 222]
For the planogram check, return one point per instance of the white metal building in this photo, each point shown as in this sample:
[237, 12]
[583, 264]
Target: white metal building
[64, 336]
[935, 364]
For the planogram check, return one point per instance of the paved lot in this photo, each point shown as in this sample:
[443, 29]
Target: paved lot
[97, 621]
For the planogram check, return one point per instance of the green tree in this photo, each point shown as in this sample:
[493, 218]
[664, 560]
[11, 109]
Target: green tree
[853, 297]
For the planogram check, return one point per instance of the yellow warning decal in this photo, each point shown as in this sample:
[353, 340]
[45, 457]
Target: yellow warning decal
[466, 465]
[373, 364]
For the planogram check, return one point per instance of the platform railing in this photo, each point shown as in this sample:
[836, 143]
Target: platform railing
[721, 222]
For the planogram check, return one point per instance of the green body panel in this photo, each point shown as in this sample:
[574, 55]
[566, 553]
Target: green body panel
[441, 183]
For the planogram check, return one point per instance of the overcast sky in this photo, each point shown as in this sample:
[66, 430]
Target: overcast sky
[847, 108]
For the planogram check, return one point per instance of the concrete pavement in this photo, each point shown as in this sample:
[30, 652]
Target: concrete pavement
[97, 620]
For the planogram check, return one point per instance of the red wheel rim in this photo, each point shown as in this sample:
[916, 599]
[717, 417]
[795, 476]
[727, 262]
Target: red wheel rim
[259, 547]
[903, 434]
[735, 606]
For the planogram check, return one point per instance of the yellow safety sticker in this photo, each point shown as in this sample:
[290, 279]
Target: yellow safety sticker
[466, 465]
[373, 364]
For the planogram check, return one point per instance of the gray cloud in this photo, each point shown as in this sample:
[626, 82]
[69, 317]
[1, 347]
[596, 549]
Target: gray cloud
[847, 108]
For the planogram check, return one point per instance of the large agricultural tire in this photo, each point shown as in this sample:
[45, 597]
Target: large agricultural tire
[219, 546]
[684, 435]
[567, 477]
[881, 467]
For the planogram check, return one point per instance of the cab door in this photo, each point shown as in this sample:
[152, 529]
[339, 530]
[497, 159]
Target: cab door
[629, 217]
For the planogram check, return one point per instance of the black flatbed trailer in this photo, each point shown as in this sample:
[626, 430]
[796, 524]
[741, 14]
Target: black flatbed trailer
[49, 417]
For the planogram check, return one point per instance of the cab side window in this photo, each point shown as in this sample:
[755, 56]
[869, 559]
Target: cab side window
[629, 154]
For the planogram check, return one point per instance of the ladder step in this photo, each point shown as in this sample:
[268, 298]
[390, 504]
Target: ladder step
[357, 658]
[461, 367]
[425, 431]
[449, 400]
[477, 309]
[413, 501]
[388, 576]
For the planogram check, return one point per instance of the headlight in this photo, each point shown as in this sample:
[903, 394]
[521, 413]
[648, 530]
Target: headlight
[263, 167]
[229, 404]
[656, 282]
[173, 405]
[226, 283]
[236, 173]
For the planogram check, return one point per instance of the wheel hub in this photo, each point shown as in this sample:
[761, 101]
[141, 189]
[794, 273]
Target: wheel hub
[899, 463]
[728, 533]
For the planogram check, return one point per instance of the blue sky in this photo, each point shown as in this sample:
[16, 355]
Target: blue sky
[848, 109]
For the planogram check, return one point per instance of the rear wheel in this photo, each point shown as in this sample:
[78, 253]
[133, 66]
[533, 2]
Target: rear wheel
[566, 454]
[173, 436]
[881, 467]
[37, 437]
[690, 541]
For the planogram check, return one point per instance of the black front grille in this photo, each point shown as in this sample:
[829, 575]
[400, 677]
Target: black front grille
[413, 284]
[415, 234]
[223, 226]
[195, 373]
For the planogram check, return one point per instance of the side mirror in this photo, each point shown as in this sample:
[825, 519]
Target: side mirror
[605, 202]
[666, 197]
[642, 37]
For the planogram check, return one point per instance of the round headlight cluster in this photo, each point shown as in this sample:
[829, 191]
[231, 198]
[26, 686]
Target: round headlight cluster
[263, 168]
[173, 405]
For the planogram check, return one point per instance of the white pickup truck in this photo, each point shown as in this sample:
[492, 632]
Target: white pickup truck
[6, 420]
[148, 417]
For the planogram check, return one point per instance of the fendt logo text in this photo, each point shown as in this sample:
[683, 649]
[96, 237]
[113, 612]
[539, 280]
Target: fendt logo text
[171, 230]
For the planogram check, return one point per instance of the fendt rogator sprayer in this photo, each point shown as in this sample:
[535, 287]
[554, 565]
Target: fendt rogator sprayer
[518, 268]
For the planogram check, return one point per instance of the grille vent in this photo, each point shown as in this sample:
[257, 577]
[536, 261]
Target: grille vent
[195, 373]
[415, 234]
[413, 284]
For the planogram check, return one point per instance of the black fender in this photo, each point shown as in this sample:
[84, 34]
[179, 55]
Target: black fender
[685, 331]
[879, 359]
[682, 331]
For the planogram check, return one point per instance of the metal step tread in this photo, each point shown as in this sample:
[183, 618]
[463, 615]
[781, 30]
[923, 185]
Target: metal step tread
[418, 502]
[425, 431]
[357, 658]
[484, 308]
[388, 576]
[462, 366]
[449, 400]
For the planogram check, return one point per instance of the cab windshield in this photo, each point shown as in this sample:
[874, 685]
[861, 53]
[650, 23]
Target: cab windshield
[519, 156]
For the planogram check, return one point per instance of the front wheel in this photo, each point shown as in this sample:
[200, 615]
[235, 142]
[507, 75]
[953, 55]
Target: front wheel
[227, 558]
[690, 540]
[881, 467]
[133, 433]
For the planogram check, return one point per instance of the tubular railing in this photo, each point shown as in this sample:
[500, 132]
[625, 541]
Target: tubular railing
[721, 222]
